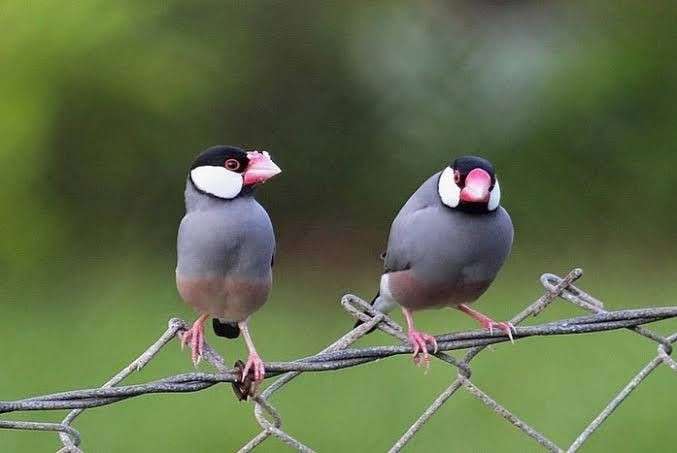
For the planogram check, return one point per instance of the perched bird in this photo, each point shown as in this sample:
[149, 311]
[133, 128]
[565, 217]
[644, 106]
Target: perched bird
[225, 246]
[445, 247]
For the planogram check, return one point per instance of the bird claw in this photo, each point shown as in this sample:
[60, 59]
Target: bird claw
[245, 386]
[505, 327]
[254, 364]
[419, 343]
[195, 338]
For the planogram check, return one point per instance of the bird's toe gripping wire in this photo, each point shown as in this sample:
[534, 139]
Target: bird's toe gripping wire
[419, 343]
[253, 371]
[255, 365]
[251, 375]
[195, 337]
[487, 323]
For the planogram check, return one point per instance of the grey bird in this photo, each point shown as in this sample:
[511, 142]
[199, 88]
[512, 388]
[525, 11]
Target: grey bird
[445, 248]
[225, 246]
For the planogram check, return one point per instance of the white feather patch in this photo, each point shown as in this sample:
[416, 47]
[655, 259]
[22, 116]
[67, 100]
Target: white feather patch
[449, 192]
[385, 302]
[494, 197]
[384, 289]
[217, 181]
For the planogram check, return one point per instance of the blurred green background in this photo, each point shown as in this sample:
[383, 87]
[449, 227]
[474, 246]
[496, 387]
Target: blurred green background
[104, 105]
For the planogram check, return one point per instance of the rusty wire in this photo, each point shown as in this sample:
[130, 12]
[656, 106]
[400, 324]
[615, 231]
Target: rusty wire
[339, 355]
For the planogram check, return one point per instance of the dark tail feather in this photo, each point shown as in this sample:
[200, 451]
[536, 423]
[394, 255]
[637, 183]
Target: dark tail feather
[226, 329]
[360, 322]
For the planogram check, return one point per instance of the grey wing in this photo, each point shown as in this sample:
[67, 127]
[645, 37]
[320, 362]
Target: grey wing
[401, 241]
[398, 257]
[402, 250]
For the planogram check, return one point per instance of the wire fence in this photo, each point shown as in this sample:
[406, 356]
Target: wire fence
[339, 355]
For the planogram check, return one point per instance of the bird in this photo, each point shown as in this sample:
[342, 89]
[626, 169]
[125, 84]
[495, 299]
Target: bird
[225, 247]
[446, 246]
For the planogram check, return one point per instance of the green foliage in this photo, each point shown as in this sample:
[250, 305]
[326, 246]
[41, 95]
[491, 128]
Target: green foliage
[104, 104]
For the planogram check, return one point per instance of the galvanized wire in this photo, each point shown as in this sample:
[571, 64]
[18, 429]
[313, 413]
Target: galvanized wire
[340, 355]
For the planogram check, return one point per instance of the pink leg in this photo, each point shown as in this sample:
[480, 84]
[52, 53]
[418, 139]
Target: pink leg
[488, 323]
[196, 336]
[254, 362]
[418, 340]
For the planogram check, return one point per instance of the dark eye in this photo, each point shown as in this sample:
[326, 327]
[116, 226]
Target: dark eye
[457, 176]
[232, 164]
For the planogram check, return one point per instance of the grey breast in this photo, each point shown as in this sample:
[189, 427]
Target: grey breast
[446, 256]
[224, 251]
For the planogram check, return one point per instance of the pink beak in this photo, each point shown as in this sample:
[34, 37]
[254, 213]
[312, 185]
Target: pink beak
[477, 185]
[260, 168]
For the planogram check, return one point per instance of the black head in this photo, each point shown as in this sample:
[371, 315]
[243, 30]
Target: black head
[228, 171]
[469, 184]
[465, 164]
[231, 157]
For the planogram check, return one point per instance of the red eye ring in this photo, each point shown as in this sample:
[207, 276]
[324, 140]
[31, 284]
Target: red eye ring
[232, 164]
[457, 176]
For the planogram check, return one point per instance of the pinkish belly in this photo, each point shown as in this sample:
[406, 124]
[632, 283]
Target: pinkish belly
[227, 298]
[415, 294]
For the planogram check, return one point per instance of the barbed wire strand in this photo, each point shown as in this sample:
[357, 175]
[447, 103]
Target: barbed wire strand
[339, 355]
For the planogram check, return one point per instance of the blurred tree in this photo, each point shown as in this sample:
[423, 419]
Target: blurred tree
[105, 104]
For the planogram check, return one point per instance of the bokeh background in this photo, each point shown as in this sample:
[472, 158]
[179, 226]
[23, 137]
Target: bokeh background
[104, 105]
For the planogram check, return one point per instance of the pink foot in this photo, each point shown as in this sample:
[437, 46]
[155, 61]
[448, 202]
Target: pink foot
[255, 364]
[196, 337]
[419, 343]
[488, 323]
[505, 327]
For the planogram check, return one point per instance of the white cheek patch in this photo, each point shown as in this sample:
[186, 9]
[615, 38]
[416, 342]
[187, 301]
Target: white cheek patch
[450, 193]
[494, 197]
[217, 181]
